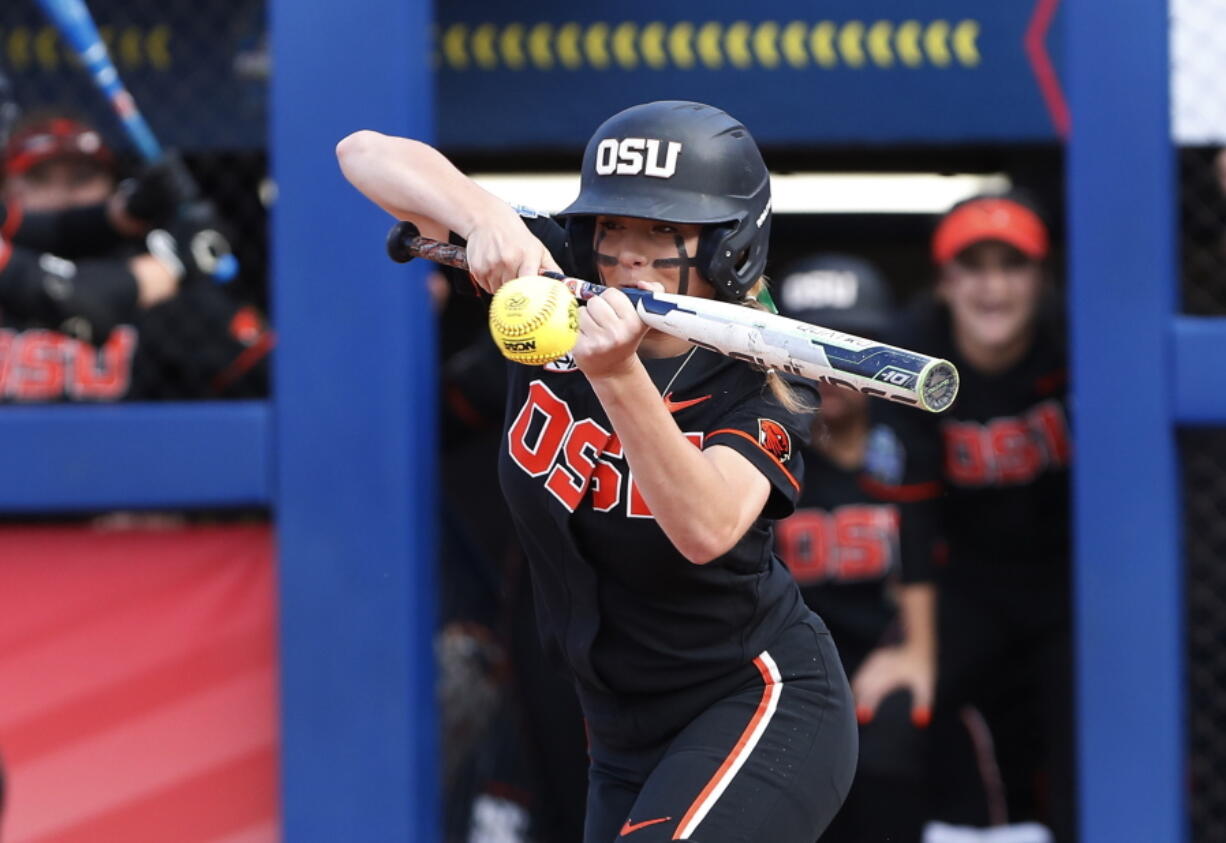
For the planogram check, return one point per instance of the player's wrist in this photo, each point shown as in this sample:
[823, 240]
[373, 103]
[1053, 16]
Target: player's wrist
[918, 652]
[156, 278]
[483, 210]
[622, 381]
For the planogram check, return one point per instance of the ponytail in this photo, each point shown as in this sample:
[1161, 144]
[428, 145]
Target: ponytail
[759, 298]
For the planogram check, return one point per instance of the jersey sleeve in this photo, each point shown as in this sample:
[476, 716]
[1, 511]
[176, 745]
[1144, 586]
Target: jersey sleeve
[903, 467]
[543, 227]
[772, 438]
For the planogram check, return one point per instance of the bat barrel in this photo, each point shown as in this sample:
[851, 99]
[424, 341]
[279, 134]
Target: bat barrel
[77, 27]
[142, 136]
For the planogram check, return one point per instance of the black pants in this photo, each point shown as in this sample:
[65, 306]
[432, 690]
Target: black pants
[770, 760]
[888, 802]
[1005, 648]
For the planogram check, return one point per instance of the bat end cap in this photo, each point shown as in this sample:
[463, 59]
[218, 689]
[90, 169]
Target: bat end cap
[938, 386]
[398, 241]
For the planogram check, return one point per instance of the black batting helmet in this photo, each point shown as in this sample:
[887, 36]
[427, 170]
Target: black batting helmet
[837, 291]
[681, 162]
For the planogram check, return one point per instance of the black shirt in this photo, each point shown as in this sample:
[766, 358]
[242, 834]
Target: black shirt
[1004, 455]
[627, 612]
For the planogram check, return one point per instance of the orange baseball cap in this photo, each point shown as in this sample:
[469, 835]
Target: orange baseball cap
[990, 218]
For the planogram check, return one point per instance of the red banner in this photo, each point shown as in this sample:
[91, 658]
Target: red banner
[138, 685]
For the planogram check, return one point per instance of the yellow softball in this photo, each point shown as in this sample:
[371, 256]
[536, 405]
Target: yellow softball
[534, 320]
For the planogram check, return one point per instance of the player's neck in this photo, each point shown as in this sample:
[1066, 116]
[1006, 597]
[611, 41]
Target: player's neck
[657, 344]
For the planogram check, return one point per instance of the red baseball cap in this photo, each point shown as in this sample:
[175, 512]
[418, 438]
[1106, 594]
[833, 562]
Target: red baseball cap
[56, 137]
[990, 218]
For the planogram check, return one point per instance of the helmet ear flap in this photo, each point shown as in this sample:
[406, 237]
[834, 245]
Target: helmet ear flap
[732, 257]
[713, 263]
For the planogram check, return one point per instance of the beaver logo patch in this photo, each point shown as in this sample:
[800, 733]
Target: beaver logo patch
[774, 439]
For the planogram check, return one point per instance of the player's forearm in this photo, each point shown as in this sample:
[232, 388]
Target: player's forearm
[917, 611]
[691, 499]
[155, 282]
[412, 180]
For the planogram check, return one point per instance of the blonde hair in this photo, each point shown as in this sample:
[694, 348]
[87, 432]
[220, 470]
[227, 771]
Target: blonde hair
[781, 390]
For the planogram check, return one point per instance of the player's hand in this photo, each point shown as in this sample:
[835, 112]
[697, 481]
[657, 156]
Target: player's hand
[889, 669]
[502, 248]
[610, 331]
[191, 251]
[151, 198]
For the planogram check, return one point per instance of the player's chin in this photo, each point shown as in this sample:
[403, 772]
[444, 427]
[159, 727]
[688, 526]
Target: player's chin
[998, 333]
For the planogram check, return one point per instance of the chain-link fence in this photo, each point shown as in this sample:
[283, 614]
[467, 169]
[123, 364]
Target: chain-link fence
[198, 72]
[1202, 174]
[1204, 477]
[1199, 118]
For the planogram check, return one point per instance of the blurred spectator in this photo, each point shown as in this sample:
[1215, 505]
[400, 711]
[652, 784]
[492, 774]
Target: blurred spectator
[1004, 615]
[60, 192]
[44, 290]
[63, 196]
[871, 585]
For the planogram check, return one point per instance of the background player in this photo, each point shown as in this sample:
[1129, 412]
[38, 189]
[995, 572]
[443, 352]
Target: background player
[844, 548]
[63, 195]
[88, 299]
[715, 703]
[61, 191]
[1004, 457]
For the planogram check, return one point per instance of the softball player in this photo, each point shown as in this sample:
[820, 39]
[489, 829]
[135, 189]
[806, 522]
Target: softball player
[1004, 451]
[643, 474]
[868, 581]
[187, 340]
[37, 288]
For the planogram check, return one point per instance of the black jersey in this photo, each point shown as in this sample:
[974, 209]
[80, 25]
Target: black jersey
[1004, 454]
[616, 600]
[846, 546]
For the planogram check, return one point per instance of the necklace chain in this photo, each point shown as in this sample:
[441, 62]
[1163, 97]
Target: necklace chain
[668, 387]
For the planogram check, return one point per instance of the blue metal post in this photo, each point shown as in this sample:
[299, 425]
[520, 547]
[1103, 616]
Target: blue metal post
[354, 434]
[1129, 573]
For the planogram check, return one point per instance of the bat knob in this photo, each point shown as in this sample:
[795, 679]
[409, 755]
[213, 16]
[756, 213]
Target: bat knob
[398, 241]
